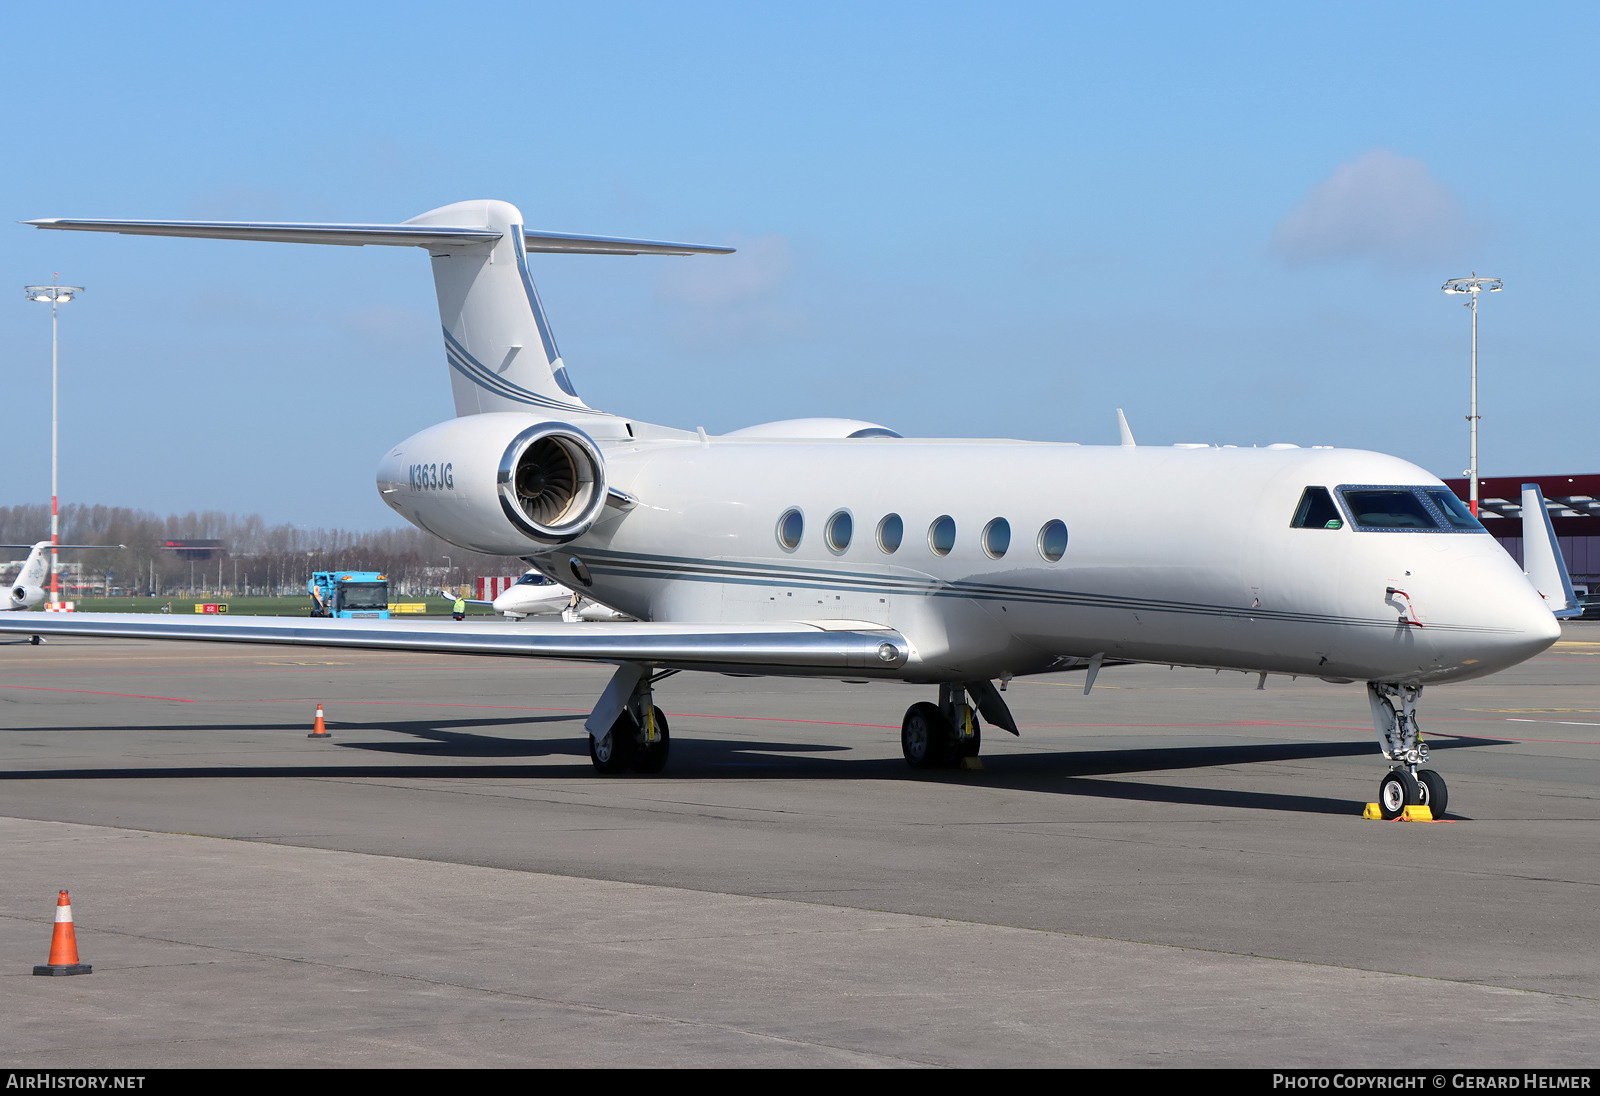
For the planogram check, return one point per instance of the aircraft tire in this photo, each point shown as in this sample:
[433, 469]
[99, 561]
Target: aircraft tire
[1434, 792]
[613, 752]
[1397, 791]
[926, 738]
[36, 640]
[651, 757]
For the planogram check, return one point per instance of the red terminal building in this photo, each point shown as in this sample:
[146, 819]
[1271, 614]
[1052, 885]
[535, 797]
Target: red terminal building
[1574, 505]
[196, 549]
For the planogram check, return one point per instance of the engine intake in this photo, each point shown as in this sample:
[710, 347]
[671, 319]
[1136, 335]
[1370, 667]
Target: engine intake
[552, 482]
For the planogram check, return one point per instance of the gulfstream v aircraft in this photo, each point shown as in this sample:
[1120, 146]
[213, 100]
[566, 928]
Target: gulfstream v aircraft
[838, 549]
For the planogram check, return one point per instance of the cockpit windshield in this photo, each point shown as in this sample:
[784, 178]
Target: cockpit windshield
[1407, 510]
[533, 578]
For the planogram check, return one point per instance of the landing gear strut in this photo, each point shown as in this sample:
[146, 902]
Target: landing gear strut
[635, 734]
[1394, 717]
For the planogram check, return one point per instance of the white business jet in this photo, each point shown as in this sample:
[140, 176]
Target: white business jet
[28, 588]
[533, 595]
[837, 549]
[540, 595]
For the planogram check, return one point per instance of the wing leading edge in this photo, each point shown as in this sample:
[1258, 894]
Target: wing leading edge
[784, 648]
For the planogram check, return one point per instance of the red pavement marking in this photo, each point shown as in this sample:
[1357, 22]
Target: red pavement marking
[93, 692]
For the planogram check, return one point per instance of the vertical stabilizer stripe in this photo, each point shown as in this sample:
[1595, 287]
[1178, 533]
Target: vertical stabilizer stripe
[551, 354]
[482, 376]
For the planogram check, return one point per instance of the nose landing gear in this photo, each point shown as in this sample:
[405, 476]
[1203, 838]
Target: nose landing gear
[1394, 717]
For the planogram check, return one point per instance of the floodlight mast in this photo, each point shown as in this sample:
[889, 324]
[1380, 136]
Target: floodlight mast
[1472, 287]
[57, 295]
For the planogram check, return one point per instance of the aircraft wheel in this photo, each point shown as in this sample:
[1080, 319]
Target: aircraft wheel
[36, 640]
[613, 751]
[1396, 792]
[651, 757]
[1434, 792]
[926, 737]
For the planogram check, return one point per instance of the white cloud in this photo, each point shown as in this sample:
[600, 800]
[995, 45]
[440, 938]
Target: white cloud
[1382, 207]
[752, 274]
[736, 298]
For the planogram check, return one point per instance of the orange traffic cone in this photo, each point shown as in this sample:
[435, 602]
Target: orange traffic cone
[63, 945]
[319, 729]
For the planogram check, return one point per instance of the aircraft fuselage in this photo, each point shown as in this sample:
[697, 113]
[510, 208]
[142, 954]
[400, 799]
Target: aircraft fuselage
[1169, 554]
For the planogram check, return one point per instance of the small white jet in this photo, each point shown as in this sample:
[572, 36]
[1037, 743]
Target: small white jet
[835, 548]
[540, 595]
[28, 588]
[533, 595]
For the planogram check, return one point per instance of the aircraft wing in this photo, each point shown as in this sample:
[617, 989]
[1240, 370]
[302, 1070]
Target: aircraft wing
[799, 648]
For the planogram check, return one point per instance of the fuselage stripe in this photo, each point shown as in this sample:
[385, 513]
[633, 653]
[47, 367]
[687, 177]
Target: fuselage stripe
[621, 565]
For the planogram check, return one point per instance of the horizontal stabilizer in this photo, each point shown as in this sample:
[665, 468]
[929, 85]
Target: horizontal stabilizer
[347, 235]
[397, 235]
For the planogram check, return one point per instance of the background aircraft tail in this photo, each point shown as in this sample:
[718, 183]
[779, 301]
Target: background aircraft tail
[1541, 556]
[498, 344]
[36, 568]
[27, 588]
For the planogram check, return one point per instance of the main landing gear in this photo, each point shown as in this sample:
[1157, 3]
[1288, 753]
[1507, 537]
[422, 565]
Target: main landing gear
[635, 735]
[633, 743]
[1394, 717]
[942, 735]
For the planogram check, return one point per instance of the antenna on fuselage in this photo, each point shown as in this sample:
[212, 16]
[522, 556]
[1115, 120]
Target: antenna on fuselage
[1127, 434]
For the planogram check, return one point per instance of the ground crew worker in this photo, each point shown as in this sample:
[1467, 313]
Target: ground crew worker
[459, 609]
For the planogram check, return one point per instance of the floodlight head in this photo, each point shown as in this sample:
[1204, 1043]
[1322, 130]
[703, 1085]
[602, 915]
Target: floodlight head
[52, 294]
[1473, 285]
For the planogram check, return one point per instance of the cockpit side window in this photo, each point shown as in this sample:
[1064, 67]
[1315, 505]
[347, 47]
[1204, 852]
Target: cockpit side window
[1317, 511]
[1454, 510]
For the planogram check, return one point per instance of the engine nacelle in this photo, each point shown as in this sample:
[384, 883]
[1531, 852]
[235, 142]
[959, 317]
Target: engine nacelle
[23, 596]
[500, 483]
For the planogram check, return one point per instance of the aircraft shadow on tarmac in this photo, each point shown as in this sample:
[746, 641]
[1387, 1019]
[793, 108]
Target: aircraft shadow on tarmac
[1063, 772]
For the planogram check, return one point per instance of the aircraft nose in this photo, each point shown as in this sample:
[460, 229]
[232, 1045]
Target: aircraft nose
[1519, 623]
[1537, 628]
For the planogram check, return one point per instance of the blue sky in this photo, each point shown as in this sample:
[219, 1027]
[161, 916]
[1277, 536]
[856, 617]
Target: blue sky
[1230, 219]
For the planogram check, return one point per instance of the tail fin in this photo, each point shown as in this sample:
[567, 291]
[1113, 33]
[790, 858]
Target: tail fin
[497, 340]
[36, 568]
[1541, 556]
